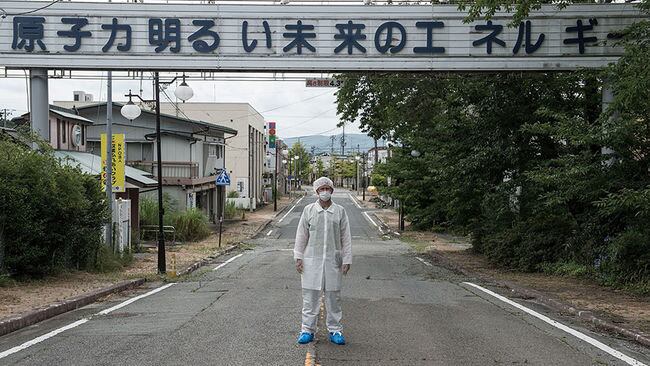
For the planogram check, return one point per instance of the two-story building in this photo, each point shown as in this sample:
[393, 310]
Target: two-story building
[192, 152]
[245, 149]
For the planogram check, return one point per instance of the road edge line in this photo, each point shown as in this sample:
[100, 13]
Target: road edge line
[592, 341]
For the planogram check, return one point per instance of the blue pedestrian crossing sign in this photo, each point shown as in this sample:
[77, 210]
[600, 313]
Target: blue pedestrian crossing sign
[223, 179]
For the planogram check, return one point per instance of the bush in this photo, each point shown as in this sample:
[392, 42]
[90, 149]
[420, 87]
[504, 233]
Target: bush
[230, 210]
[51, 215]
[191, 225]
[233, 194]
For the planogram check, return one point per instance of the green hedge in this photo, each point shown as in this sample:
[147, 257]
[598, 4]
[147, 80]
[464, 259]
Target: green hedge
[51, 215]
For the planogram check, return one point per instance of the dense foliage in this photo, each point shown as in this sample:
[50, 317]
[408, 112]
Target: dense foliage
[51, 215]
[525, 163]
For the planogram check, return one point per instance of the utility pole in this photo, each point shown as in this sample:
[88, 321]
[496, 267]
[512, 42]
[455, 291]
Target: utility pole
[365, 158]
[109, 157]
[275, 180]
[333, 137]
[162, 261]
[343, 142]
[376, 152]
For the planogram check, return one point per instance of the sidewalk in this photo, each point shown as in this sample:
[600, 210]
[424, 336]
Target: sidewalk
[616, 307]
[21, 297]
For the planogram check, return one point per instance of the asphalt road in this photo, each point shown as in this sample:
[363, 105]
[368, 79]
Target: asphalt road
[398, 310]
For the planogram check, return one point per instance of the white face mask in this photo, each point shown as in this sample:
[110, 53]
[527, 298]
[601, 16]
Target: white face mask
[325, 195]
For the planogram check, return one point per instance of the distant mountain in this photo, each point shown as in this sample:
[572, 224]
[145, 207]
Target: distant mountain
[323, 144]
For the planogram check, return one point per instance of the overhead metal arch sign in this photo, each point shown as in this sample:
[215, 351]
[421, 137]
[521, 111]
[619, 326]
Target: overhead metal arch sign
[211, 37]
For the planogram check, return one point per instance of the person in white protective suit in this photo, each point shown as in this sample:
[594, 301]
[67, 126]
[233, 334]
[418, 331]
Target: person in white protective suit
[323, 254]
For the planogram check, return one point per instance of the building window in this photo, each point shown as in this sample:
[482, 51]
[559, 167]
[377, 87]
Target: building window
[64, 127]
[213, 150]
[83, 135]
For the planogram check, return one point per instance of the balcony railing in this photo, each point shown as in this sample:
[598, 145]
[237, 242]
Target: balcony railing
[170, 169]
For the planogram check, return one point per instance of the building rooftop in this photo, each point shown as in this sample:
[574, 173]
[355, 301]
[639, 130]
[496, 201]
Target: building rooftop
[91, 164]
[220, 128]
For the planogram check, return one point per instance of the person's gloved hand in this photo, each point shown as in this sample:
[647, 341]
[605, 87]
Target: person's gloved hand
[345, 268]
[299, 265]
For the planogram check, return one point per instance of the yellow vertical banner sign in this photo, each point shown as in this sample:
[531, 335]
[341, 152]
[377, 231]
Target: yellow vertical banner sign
[118, 161]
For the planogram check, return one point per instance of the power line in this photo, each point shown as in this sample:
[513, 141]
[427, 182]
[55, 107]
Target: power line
[5, 14]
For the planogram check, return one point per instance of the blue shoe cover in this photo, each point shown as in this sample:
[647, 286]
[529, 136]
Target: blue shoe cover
[337, 338]
[305, 337]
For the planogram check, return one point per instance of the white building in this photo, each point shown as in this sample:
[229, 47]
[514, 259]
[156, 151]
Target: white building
[245, 152]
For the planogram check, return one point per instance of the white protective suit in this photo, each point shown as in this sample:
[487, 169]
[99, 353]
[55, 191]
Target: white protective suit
[324, 244]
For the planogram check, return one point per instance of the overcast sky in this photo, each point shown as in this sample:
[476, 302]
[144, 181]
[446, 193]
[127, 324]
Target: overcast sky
[302, 111]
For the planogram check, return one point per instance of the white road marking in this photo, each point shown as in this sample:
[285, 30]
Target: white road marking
[573, 332]
[425, 262]
[41, 338]
[228, 261]
[291, 209]
[77, 323]
[354, 201]
[130, 301]
[269, 233]
[371, 220]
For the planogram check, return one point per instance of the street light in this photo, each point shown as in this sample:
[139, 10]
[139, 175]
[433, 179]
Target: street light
[296, 168]
[131, 112]
[183, 91]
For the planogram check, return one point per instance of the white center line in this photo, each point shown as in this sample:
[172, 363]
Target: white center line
[354, 201]
[425, 262]
[291, 209]
[573, 332]
[371, 220]
[77, 323]
[228, 261]
[269, 233]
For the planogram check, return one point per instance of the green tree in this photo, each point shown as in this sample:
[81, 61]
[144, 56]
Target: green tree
[301, 167]
[320, 168]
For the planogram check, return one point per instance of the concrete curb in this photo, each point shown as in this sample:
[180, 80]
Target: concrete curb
[383, 228]
[12, 324]
[526, 293]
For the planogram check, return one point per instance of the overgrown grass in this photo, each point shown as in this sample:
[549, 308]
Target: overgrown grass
[230, 210]
[569, 269]
[191, 225]
[108, 261]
